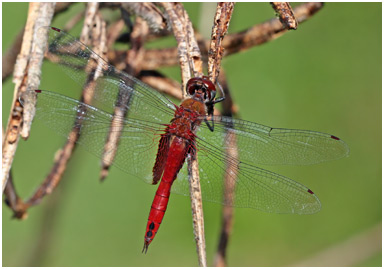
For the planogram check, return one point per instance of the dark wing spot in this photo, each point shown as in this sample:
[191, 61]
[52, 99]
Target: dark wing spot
[56, 29]
[311, 192]
[334, 137]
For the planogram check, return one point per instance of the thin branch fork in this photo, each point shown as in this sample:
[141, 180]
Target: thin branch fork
[63, 155]
[27, 74]
[9, 58]
[97, 33]
[220, 27]
[190, 62]
[235, 42]
[134, 58]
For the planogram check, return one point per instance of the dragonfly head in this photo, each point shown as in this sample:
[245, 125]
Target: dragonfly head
[202, 89]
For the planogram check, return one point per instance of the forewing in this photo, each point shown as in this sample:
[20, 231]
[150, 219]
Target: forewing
[253, 187]
[228, 156]
[259, 144]
[80, 63]
[138, 142]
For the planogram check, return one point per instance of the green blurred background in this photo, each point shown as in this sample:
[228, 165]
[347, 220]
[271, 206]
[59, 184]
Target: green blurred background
[326, 76]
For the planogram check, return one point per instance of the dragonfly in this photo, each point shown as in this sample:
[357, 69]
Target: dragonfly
[157, 136]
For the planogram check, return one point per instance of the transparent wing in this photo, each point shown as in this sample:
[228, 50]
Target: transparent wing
[149, 110]
[259, 144]
[79, 62]
[230, 152]
[139, 139]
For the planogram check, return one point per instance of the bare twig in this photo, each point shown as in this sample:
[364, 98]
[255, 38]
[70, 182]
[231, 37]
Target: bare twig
[233, 43]
[266, 31]
[113, 33]
[285, 12]
[134, 58]
[14, 201]
[94, 28]
[27, 74]
[220, 27]
[190, 62]
[229, 185]
[149, 12]
[97, 33]
[62, 157]
[186, 46]
[90, 14]
[221, 23]
[229, 195]
[9, 58]
[153, 58]
[162, 84]
[197, 209]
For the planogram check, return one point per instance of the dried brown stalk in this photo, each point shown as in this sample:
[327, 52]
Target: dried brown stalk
[162, 84]
[113, 33]
[227, 213]
[14, 201]
[266, 31]
[285, 12]
[134, 58]
[187, 54]
[9, 58]
[98, 32]
[229, 185]
[153, 58]
[149, 12]
[221, 21]
[27, 74]
[190, 62]
[233, 43]
[220, 28]
[90, 14]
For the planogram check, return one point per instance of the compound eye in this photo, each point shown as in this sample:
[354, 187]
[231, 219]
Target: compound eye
[191, 86]
[210, 88]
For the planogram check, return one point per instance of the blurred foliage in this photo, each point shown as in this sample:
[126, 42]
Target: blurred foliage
[325, 76]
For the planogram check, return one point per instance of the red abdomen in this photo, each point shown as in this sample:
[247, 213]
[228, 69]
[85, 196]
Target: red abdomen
[176, 155]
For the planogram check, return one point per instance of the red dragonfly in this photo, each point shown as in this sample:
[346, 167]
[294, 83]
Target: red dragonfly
[157, 136]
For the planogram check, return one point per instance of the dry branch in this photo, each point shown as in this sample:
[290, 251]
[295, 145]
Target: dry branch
[229, 185]
[187, 54]
[149, 12]
[236, 42]
[220, 28]
[94, 28]
[267, 31]
[162, 84]
[9, 58]
[285, 12]
[27, 74]
[134, 58]
[98, 33]
[190, 63]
